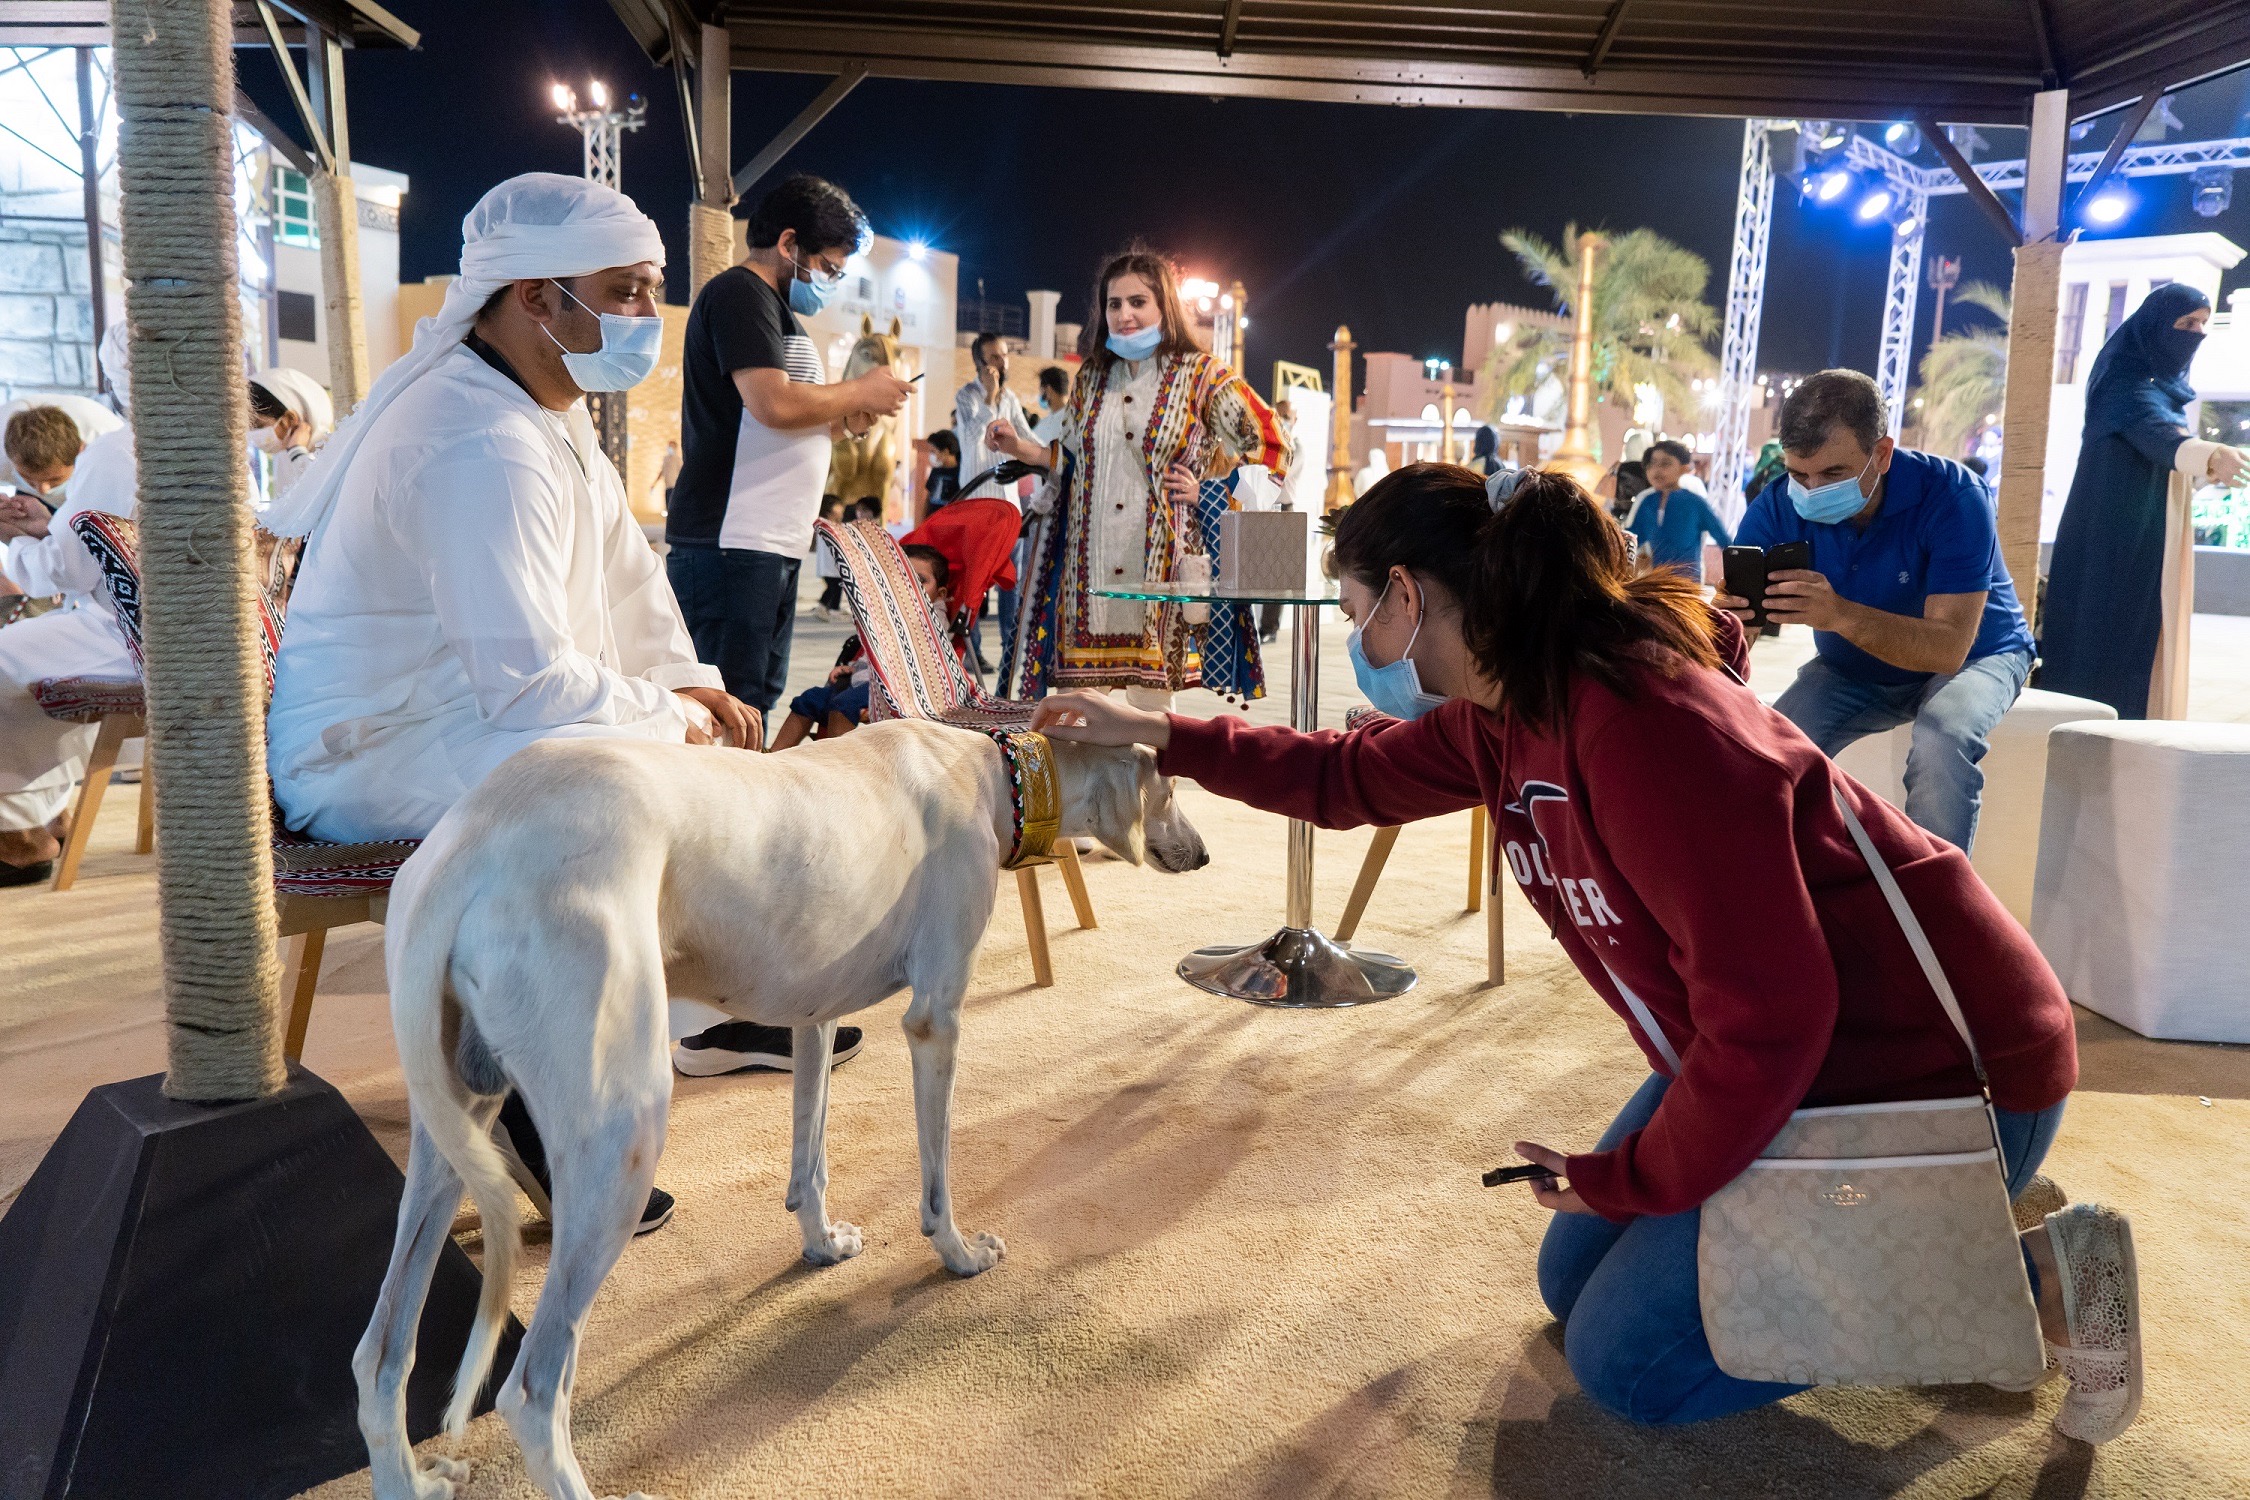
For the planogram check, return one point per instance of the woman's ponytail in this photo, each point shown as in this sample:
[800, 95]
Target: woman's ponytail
[1545, 583]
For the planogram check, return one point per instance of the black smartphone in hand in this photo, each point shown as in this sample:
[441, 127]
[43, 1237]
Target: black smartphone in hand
[1744, 569]
[1782, 556]
[1501, 1176]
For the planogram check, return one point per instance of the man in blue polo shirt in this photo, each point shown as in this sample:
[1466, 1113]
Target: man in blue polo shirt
[1914, 617]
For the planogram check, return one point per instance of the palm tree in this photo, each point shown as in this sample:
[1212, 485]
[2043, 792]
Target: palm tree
[1650, 323]
[1964, 375]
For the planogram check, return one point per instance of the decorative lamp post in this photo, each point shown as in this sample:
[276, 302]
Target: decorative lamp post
[1340, 450]
[603, 131]
[1446, 399]
[1239, 304]
[1576, 455]
[1945, 274]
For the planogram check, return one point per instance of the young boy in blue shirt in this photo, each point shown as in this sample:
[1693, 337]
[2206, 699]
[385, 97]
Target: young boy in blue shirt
[1672, 522]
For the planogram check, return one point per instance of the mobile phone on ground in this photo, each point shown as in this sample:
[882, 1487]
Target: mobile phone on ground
[1744, 569]
[1501, 1176]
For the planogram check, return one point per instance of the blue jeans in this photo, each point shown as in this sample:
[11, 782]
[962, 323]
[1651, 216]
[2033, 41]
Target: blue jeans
[1626, 1293]
[1952, 717]
[741, 609]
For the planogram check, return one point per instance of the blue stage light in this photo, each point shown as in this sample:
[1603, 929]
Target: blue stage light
[1903, 138]
[2109, 206]
[1875, 203]
[1831, 185]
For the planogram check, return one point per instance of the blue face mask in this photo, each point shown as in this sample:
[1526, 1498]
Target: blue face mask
[1137, 345]
[807, 298]
[628, 352]
[1396, 689]
[1831, 503]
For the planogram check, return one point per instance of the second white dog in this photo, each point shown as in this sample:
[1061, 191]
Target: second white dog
[533, 942]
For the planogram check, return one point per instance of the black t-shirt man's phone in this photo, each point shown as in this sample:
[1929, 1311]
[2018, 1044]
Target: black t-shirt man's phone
[1746, 570]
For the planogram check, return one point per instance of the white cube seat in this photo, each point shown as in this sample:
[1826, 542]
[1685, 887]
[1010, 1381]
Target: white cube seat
[2015, 778]
[2144, 860]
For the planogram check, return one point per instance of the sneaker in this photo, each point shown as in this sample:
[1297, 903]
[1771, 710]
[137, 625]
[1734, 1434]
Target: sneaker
[526, 1156]
[27, 874]
[739, 1046]
[2102, 1307]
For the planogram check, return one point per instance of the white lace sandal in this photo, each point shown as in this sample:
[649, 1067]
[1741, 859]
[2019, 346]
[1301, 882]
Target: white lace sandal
[2102, 1305]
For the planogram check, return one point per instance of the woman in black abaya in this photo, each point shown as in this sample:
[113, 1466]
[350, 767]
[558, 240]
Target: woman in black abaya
[2121, 586]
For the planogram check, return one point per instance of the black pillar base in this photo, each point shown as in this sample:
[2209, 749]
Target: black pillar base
[181, 1289]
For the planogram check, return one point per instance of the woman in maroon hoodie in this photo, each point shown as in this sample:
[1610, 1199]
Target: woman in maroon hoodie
[1681, 840]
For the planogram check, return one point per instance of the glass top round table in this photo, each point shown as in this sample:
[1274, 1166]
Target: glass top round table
[1299, 967]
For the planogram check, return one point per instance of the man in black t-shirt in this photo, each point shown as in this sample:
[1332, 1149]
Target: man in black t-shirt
[756, 413]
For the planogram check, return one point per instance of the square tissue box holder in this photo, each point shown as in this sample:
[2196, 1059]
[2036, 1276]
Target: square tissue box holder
[1261, 550]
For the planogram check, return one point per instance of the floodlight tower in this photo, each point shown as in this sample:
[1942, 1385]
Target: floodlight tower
[601, 128]
[603, 131]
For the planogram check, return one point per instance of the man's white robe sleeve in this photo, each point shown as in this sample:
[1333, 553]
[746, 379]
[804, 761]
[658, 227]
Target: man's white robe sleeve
[652, 639]
[57, 563]
[488, 526]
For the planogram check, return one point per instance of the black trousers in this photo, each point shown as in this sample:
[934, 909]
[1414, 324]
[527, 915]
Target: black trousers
[741, 609]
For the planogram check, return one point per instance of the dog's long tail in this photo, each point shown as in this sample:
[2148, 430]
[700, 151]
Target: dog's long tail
[444, 1106]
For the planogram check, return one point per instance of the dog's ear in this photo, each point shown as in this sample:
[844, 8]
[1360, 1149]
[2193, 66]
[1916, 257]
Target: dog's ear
[896, 331]
[866, 325]
[1117, 804]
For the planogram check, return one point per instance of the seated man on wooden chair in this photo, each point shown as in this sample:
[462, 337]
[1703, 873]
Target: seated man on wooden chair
[473, 580]
[42, 759]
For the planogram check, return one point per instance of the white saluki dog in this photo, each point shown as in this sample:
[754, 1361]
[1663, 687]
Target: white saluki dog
[534, 940]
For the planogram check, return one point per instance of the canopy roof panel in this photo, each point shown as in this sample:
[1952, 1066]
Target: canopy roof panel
[85, 23]
[1973, 61]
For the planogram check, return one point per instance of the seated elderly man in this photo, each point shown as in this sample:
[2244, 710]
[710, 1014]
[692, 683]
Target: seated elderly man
[473, 581]
[42, 759]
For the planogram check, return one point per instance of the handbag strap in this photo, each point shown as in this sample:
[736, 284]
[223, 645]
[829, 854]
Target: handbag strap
[1916, 939]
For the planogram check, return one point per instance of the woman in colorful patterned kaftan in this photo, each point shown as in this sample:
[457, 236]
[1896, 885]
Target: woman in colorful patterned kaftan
[1150, 416]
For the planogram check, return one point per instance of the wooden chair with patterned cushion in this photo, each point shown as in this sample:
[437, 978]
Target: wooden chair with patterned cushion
[919, 676]
[116, 704]
[1485, 863]
[319, 887]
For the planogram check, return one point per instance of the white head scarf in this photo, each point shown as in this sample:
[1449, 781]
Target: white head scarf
[528, 228]
[302, 394]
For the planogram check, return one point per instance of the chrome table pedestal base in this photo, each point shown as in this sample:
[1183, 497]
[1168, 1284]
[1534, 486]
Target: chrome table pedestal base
[1298, 968]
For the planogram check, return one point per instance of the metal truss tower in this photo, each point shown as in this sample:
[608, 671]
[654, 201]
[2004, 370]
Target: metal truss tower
[1746, 299]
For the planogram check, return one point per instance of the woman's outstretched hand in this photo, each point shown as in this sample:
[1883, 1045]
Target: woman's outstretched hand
[1549, 1190]
[1093, 718]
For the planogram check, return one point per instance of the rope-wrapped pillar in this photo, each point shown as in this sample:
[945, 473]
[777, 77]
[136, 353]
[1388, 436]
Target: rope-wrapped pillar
[206, 692]
[336, 212]
[710, 243]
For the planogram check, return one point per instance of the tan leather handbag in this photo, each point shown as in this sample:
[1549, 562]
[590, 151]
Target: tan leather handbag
[1871, 1244]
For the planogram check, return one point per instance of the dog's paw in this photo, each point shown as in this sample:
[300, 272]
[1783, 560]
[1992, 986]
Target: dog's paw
[965, 1256]
[841, 1242]
[436, 1478]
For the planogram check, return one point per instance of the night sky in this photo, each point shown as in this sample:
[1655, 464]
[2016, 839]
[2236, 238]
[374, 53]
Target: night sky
[1387, 219]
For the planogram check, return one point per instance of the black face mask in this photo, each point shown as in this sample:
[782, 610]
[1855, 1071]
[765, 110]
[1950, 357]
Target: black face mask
[2175, 348]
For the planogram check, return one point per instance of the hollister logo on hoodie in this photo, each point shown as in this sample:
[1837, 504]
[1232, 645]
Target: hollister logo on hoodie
[1530, 863]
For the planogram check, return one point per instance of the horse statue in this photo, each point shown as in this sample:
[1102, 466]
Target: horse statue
[861, 468]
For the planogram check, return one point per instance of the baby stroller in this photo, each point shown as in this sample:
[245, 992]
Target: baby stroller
[978, 540]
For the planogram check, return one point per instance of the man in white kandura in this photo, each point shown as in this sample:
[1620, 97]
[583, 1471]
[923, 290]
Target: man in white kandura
[43, 759]
[473, 581]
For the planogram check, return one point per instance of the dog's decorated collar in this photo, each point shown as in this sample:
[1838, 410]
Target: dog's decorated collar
[1034, 795]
